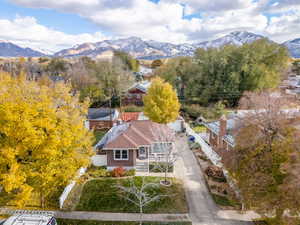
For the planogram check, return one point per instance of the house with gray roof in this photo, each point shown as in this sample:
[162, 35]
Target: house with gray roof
[102, 118]
[221, 133]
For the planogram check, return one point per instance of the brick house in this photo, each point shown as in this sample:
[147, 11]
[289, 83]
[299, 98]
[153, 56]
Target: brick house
[135, 94]
[102, 118]
[221, 133]
[132, 144]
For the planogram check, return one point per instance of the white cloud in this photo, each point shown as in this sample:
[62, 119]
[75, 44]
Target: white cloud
[26, 31]
[166, 21]
[285, 27]
[194, 6]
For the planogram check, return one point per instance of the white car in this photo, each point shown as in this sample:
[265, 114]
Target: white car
[31, 219]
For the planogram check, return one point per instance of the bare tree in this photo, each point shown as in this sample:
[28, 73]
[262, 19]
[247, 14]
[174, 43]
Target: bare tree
[140, 195]
[165, 163]
[265, 163]
[166, 156]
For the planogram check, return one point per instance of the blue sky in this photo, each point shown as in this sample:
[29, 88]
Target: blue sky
[57, 24]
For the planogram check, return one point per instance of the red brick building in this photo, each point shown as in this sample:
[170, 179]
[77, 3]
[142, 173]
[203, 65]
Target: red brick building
[220, 135]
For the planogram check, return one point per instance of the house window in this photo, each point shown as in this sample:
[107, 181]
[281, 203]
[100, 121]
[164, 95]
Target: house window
[121, 154]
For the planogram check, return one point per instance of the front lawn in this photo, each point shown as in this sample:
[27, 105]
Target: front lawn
[90, 222]
[154, 169]
[103, 195]
[199, 129]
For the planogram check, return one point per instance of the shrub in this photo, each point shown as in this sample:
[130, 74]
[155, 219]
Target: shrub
[130, 173]
[118, 172]
[96, 172]
[216, 173]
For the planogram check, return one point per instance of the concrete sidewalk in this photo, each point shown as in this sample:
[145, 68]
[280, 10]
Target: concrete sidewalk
[121, 216]
[236, 215]
[103, 216]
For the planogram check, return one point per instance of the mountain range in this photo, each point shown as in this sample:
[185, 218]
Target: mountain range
[8, 49]
[142, 49]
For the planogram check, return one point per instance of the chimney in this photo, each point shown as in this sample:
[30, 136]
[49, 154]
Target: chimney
[119, 122]
[222, 130]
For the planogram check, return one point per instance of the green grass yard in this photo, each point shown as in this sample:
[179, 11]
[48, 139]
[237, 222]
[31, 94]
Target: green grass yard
[103, 195]
[199, 129]
[98, 134]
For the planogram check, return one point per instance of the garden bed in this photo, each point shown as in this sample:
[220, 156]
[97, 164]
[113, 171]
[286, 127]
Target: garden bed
[223, 195]
[103, 195]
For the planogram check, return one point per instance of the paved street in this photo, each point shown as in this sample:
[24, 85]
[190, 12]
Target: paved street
[203, 210]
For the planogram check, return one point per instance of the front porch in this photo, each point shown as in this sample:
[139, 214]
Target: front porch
[147, 157]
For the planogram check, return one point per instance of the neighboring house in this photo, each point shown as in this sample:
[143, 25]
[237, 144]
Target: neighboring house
[101, 118]
[129, 116]
[177, 125]
[221, 133]
[133, 145]
[135, 94]
[291, 86]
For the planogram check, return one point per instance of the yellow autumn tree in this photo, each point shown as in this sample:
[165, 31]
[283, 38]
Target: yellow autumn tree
[43, 141]
[161, 102]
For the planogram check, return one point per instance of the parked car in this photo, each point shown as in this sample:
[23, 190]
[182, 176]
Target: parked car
[31, 219]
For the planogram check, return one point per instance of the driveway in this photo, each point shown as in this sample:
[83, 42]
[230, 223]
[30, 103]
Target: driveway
[202, 208]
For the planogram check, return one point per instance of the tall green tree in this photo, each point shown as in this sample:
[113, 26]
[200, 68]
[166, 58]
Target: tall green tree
[224, 74]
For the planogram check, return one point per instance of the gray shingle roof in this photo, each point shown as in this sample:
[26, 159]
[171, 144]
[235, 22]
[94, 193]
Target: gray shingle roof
[102, 114]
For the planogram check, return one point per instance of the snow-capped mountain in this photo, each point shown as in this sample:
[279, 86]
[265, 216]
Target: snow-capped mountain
[234, 38]
[133, 45]
[142, 49]
[8, 49]
[153, 49]
[293, 47]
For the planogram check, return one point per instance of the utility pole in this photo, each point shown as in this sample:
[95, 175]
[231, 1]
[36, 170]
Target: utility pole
[110, 111]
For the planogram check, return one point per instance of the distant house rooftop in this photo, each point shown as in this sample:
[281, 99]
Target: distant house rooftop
[104, 114]
[129, 116]
[142, 86]
[56, 79]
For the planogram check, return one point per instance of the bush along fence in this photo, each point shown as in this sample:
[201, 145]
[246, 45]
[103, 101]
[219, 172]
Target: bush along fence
[69, 188]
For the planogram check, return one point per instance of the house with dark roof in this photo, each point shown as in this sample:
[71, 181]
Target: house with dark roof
[135, 94]
[133, 145]
[102, 118]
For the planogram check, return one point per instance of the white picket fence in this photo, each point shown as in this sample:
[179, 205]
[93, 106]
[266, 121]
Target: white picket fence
[208, 151]
[69, 188]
